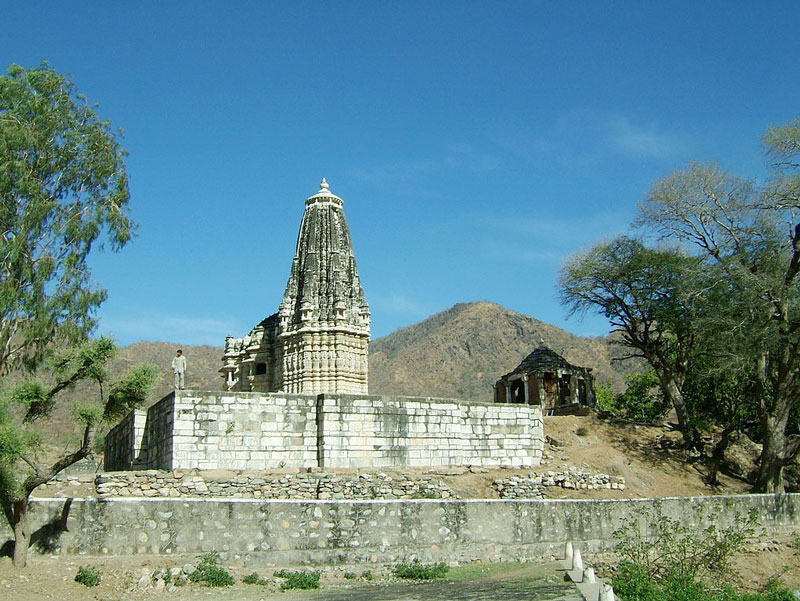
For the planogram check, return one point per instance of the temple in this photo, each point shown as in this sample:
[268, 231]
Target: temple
[296, 390]
[317, 341]
[545, 378]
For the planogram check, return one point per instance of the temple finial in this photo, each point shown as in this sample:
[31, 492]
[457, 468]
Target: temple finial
[323, 185]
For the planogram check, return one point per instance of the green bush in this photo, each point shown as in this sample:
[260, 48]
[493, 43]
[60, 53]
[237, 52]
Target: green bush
[632, 582]
[366, 575]
[298, 580]
[643, 401]
[582, 431]
[209, 572]
[671, 550]
[350, 576]
[88, 576]
[254, 579]
[668, 561]
[418, 571]
[604, 397]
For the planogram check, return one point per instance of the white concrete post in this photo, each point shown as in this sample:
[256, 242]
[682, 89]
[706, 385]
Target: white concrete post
[607, 593]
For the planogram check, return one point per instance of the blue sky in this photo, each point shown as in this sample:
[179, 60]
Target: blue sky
[476, 145]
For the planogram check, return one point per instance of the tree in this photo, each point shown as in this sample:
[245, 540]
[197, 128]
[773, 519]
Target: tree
[749, 235]
[643, 293]
[25, 405]
[63, 190]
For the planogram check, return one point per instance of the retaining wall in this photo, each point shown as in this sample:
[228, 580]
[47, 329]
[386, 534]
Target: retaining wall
[325, 532]
[262, 431]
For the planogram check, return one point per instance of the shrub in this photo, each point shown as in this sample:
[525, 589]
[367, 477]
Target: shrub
[671, 550]
[298, 580]
[366, 575]
[643, 401]
[582, 431]
[210, 573]
[418, 571]
[604, 397]
[254, 579]
[632, 582]
[88, 576]
[350, 576]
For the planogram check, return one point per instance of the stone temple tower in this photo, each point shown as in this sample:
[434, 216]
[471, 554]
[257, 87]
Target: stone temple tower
[318, 340]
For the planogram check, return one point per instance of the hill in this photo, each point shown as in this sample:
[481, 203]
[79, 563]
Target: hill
[462, 351]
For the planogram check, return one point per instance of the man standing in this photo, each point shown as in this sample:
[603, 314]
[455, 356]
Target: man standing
[179, 368]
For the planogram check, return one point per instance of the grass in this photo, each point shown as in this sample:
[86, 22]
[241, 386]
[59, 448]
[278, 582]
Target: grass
[419, 571]
[471, 571]
[210, 573]
[254, 578]
[298, 580]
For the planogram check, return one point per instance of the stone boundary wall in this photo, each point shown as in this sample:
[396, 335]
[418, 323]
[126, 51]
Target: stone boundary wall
[377, 532]
[265, 431]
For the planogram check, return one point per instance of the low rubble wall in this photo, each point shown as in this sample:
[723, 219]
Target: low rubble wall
[383, 532]
[153, 483]
[353, 486]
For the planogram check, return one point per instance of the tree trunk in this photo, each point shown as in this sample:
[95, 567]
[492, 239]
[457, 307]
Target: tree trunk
[718, 454]
[22, 533]
[690, 435]
[773, 452]
[770, 472]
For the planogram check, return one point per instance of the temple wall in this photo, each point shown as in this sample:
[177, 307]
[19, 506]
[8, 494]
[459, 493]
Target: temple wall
[260, 431]
[374, 431]
[124, 442]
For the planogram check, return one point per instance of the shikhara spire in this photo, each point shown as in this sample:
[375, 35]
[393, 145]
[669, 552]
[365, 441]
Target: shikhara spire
[324, 289]
[318, 340]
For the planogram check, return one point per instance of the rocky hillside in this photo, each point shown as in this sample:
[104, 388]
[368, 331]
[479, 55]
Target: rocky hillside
[462, 351]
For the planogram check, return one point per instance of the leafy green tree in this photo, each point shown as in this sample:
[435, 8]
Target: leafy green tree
[749, 236]
[25, 406]
[644, 293]
[63, 191]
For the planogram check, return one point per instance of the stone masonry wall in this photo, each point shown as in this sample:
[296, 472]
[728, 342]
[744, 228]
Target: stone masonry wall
[239, 430]
[123, 442]
[264, 431]
[156, 483]
[397, 431]
[337, 532]
[359, 486]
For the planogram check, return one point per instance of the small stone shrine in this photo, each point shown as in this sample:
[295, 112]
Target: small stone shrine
[318, 340]
[545, 378]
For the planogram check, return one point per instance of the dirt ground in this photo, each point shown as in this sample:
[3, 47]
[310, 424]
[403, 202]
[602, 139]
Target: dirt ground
[648, 457]
[51, 578]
